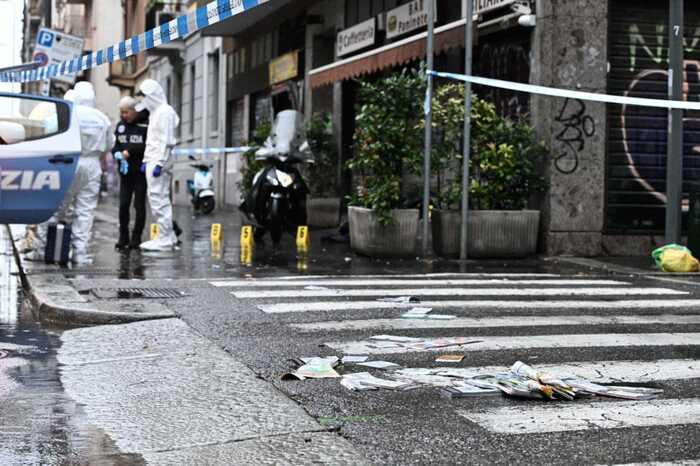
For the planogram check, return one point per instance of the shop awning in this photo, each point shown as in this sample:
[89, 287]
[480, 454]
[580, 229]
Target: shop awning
[407, 50]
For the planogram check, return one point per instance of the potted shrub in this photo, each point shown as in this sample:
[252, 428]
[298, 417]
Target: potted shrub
[323, 204]
[252, 166]
[504, 178]
[388, 145]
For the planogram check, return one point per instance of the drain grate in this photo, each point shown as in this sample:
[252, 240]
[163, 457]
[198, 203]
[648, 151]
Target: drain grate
[137, 293]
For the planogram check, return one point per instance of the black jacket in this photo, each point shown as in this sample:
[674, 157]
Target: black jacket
[132, 137]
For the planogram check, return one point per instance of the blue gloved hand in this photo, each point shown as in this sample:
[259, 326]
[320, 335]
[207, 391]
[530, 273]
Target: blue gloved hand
[123, 167]
[143, 168]
[118, 156]
[156, 171]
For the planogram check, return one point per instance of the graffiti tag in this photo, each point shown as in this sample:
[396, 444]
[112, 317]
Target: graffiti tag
[577, 126]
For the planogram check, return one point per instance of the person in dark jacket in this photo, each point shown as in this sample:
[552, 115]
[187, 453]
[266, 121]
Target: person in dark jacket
[128, 152]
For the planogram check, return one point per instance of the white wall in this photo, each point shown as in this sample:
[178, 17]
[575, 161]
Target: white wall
[11, 34]
[106, 22]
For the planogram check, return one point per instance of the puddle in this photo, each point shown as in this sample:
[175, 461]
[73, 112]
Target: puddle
[40, 424]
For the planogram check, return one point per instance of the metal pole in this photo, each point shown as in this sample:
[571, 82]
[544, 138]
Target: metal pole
[428, 129]
[468, 46]
[674, 156]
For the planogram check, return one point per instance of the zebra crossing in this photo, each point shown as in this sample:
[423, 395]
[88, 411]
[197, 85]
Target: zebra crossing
[349, 309]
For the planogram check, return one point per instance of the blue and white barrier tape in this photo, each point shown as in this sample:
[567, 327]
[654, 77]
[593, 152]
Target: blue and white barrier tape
[554, 92]
[210, 150]
[214, 12]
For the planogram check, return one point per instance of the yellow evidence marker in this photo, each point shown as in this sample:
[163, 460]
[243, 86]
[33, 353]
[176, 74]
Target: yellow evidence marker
[246, 256]
[155, 231]
[303, 241]
[216, 233]
[247, 240]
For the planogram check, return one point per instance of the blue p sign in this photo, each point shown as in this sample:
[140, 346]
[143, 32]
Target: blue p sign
[45, 39]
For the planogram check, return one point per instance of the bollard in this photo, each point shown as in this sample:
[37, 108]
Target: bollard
[694, 221]
[216, 233]
[155, 231]
[246, 256]
[303, 242]
[247, 240]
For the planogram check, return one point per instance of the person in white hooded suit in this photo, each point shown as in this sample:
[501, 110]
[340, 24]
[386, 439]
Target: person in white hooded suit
[160, 140]
[78, 207]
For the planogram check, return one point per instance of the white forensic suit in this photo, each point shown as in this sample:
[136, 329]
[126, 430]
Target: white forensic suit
[78, 207]
[160, 140]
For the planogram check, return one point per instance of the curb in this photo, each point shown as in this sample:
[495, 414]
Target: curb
[54, 300]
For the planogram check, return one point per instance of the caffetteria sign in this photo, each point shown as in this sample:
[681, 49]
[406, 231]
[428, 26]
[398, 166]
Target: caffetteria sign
[407, 18]
[357, 37]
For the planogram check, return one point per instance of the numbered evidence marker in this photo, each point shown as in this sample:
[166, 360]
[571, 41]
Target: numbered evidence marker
[155, 231]
[303, 238]
[247, 240]
[216, 238]
[246, 256]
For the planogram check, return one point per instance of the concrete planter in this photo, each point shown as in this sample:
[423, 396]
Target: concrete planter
[323, 212]
[492, 233]
[370, 238]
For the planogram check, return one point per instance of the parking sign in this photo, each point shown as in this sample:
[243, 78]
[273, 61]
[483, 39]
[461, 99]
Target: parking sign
[53, 47]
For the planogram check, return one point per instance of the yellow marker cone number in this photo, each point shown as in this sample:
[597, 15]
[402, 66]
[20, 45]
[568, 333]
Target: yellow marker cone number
[303, 242]
[155, 231]
[247, 237]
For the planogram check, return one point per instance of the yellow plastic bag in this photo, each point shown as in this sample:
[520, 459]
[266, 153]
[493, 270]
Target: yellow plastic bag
[675, 258]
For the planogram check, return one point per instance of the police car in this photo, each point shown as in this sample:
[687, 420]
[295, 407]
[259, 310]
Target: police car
[39, 152]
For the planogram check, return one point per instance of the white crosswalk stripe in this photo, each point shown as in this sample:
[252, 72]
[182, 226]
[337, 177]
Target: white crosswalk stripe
[586, 416]
[491, 343]
[395, 292]
[503, 305]
[485, 308]
[486, 322]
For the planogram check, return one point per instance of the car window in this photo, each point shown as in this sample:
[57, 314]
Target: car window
[23, 119]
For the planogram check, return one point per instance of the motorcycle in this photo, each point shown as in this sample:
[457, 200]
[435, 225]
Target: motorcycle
[202, 188]
[277, 200]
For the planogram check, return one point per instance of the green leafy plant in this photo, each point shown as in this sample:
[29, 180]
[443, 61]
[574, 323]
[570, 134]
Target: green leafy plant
[505, 156]
[253, 166]
[322, 174]
[387, 140]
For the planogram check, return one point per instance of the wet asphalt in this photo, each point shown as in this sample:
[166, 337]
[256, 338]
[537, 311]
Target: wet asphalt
[412, 427]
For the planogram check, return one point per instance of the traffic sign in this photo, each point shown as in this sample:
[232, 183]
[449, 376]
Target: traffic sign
[53, 47]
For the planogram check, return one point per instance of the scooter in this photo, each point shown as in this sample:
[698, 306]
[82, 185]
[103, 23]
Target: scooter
[202, 188]
[277, 200]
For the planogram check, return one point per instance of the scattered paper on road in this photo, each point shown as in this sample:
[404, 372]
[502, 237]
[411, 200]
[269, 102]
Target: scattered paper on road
[354, 359]
[450, 358]
[379, 364]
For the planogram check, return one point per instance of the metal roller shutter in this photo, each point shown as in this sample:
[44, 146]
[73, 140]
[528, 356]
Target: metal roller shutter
[636, 147]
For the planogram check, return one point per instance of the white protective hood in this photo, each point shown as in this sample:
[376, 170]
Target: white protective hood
[85, 94]
[153, 96]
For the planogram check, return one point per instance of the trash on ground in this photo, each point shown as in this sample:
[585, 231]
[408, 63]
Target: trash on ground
[466, 390]
[379, 364]
[401, 299]
[416, 313]
[354, 359]
[365, 381]
[316, 288]
[314, 368]
[521, 381]
[675, 258]
[450, 358]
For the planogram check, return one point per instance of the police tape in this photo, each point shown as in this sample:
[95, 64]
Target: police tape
[554, 92]
[210, 150]
[208, 15]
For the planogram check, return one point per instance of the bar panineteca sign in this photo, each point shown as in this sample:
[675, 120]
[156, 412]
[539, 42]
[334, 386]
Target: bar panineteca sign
[407, 18]
[357, 37]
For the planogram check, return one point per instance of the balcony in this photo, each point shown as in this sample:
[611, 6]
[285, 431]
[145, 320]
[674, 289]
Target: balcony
[125, 73]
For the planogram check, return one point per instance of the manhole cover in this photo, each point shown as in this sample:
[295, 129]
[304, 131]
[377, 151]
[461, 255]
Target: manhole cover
[137, 293]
